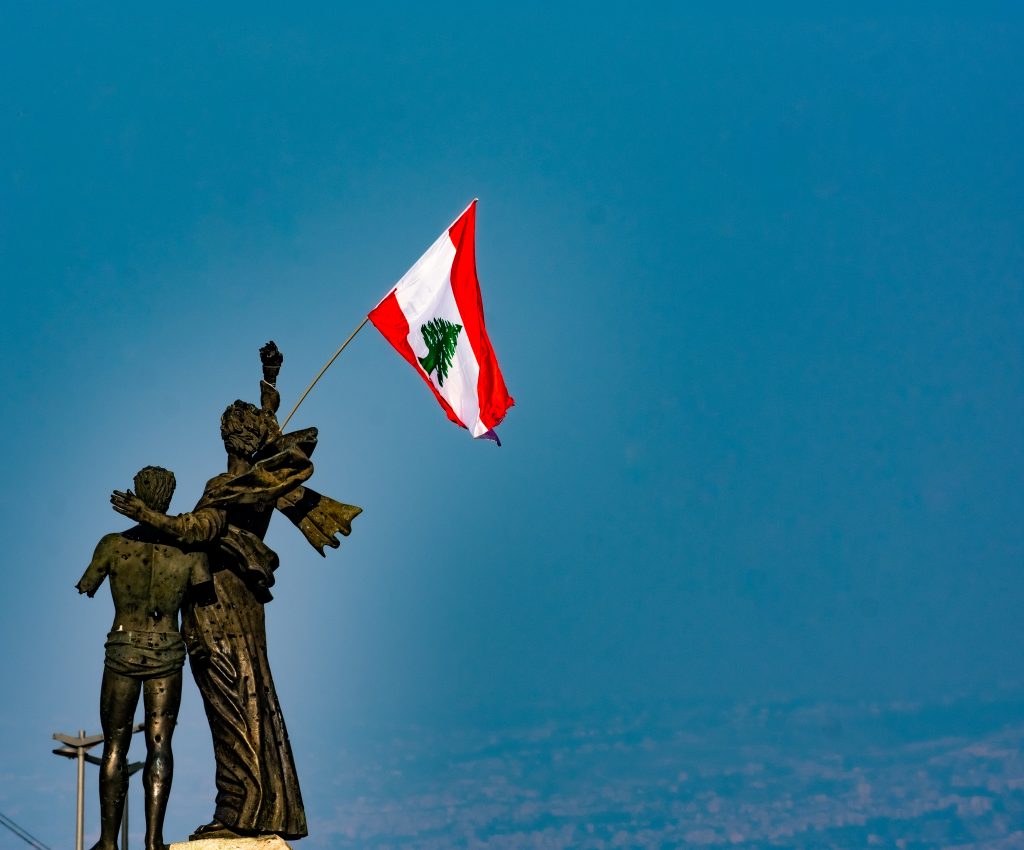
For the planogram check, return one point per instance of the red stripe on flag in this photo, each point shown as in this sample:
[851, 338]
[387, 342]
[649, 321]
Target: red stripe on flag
[491, 392]
[388, 318]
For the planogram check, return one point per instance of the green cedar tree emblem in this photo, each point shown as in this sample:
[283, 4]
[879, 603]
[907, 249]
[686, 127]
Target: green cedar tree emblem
[441, 337]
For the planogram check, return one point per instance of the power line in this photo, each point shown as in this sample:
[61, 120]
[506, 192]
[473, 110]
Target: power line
[23, 834]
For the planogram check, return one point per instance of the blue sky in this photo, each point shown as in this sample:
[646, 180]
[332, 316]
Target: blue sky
[755, 284]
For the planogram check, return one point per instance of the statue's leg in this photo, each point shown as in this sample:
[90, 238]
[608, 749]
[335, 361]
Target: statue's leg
[162, 697]
[119, 695]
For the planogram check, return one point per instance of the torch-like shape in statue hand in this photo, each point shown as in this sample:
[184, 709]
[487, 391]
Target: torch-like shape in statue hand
[272, 359]
[270, 398]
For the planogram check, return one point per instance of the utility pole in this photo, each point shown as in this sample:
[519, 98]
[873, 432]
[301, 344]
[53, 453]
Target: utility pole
[75, 748]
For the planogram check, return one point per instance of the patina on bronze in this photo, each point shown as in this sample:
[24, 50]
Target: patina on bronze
[257, 786]
[149, 575]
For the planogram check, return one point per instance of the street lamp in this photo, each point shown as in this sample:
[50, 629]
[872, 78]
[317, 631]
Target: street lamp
[75, 748]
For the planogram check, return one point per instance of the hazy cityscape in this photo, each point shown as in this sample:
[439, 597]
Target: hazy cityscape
[798, 775]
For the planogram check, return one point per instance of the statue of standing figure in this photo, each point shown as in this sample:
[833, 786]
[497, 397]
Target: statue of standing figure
[257, 786]
[149, 575]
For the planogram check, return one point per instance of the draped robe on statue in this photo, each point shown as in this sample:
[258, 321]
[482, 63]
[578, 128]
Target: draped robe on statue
[257, 786]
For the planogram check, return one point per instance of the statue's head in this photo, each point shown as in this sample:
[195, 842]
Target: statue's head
[155, 486]
[244, 428]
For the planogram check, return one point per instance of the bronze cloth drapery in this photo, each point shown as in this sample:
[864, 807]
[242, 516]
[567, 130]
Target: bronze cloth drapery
[257, 784]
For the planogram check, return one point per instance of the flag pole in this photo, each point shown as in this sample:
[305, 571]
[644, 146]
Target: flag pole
[327, 366]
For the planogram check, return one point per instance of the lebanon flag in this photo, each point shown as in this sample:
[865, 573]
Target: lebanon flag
[434, 317]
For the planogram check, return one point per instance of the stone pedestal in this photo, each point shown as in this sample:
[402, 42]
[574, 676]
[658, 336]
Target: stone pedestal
[264, 842]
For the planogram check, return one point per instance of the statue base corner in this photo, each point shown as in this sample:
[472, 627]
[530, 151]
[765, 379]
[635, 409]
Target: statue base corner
[262, 842]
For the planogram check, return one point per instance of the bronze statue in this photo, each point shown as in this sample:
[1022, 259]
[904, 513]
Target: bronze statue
[257, 787]
[149, 575]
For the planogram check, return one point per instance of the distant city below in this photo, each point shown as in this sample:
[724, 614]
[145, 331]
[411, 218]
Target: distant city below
[801, 775]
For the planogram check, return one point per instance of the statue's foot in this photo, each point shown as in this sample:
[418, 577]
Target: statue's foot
[213, 829]
[104, 845]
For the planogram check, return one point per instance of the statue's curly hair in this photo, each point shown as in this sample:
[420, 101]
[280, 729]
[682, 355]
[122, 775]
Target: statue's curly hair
[155, 486]
[240, 417]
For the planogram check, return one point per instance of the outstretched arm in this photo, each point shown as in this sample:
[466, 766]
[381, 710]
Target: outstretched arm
[200, 526]
[270, 398]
